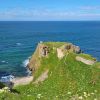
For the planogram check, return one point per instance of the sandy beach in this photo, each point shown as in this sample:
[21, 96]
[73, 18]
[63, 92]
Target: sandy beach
[22, 80]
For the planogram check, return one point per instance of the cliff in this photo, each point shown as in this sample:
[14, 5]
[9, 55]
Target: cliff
[61, 71]
[43, 50]
[61, 49]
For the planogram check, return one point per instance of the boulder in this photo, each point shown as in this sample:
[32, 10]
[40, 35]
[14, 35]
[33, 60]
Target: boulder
[77, 49]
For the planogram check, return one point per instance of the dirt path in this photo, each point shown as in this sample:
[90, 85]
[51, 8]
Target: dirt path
[42, 77]
[85, 61]
[22, 81]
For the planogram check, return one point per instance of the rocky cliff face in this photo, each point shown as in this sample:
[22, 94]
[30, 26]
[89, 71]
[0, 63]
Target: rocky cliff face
[43, 50]
[61, 72]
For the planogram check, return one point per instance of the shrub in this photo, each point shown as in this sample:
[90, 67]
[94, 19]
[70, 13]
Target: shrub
[1, 85]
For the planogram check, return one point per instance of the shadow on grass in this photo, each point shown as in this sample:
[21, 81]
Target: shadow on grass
[15, 91]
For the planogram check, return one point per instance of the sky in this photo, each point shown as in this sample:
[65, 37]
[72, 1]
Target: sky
[49, 10]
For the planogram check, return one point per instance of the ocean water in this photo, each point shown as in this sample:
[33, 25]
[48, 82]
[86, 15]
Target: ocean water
[18, 40]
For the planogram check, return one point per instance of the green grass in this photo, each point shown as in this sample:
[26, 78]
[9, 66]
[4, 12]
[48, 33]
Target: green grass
[54, 44]
[67, 79]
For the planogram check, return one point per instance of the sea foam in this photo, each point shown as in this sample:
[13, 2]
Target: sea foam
[3, 61]
[25, 63]
[18, 44]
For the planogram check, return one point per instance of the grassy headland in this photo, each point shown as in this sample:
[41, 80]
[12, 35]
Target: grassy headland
[68, 79]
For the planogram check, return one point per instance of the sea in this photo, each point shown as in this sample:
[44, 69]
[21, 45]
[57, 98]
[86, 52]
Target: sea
[18, 40]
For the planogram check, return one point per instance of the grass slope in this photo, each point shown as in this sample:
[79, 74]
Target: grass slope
[68, 79]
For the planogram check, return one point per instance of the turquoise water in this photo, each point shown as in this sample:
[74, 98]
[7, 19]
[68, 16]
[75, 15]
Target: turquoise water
[18, 40]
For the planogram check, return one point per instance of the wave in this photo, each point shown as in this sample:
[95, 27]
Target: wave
[25, 63]
[3, 61]
[28, 72]
[18, 44]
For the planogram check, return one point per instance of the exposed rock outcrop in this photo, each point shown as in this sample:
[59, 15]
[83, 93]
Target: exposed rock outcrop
[43, 50]
[77, 49]
[60, 53]
[85, 61]
[66, 48]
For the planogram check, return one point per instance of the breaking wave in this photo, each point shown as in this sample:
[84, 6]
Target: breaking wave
[25, 63]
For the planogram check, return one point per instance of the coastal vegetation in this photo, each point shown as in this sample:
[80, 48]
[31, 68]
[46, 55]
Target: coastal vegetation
[59, 77]
[1, 85]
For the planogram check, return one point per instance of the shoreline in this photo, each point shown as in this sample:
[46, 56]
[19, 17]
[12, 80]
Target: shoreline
[22, 80]
[18, 80]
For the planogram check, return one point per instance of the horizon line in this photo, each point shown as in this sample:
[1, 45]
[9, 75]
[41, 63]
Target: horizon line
[45, 20]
